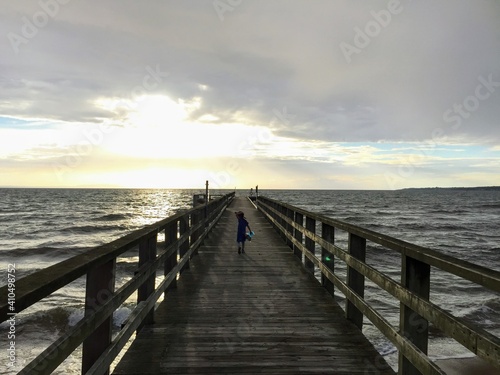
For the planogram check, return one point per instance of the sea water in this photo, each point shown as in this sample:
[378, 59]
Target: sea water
[40, 227]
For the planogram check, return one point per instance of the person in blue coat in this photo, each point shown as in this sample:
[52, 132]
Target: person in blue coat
[241, 235]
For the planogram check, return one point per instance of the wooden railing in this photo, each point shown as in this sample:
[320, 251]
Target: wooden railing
[298, 229]
[184, 232]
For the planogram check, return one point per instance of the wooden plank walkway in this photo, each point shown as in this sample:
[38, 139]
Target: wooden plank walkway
[254, 313]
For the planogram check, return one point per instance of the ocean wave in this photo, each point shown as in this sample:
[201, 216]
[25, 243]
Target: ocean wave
[113, 217]
[120, 316]
[52, 252]
[490, 205]
[386, 349]
[449, 211]
[449, 227]
[86, 229]
[485, 315]
[62, 318]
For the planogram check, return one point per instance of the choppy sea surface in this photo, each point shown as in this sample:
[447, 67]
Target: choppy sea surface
[40, 227]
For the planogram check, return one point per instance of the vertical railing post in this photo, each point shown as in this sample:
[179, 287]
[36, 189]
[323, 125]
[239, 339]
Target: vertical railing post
[328, 234]
[282, 211]
[201, 230]
[195, 219]
[206, 201]
[273, 214]
[310, 243]
[299, 219]
[99, 289]
[355, 280]
[276, 215]
[171, 261]
[415, 276]
[211, 208]
[289, 227]
[184, 247]
[147, 254]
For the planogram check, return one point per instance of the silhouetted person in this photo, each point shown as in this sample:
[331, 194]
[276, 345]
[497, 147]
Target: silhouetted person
[241, 235]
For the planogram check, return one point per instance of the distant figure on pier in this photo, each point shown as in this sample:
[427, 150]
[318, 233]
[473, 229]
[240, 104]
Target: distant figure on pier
[241, 235]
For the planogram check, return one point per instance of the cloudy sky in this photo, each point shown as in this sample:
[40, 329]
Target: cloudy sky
[331, 94]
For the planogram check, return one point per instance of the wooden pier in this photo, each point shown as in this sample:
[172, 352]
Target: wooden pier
[254, 313]
[261, 312]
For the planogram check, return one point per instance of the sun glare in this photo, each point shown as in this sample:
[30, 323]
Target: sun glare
[159, 127]
[155, 111]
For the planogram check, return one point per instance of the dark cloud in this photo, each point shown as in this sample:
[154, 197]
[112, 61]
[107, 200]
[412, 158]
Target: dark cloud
[265, 56]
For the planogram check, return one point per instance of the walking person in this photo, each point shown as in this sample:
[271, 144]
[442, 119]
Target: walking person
[241, 235]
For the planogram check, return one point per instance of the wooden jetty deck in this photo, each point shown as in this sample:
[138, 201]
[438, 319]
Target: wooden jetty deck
[253, 313]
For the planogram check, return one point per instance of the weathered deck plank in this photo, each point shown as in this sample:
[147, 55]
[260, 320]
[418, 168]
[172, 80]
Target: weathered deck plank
[254, 313]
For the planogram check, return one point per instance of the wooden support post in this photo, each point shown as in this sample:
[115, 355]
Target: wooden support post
[289, 228]
[310, 244]
[208, 216]
[206, 200]
[147, 254]
[328, 234]
[355, 280]
[299, 219]
[273, 214]
[99, 289]
[195, 219]
[184, 247]
[171, 261]
[415, 276]
[282, 211]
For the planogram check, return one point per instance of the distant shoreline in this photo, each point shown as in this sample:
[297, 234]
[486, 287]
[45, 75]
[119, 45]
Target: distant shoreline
[456, 188]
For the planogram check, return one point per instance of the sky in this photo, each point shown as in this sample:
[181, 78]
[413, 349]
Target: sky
[302, 94]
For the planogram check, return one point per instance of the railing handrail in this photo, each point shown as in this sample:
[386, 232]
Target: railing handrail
[32, 288]
[416, 311]
[472, 272]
